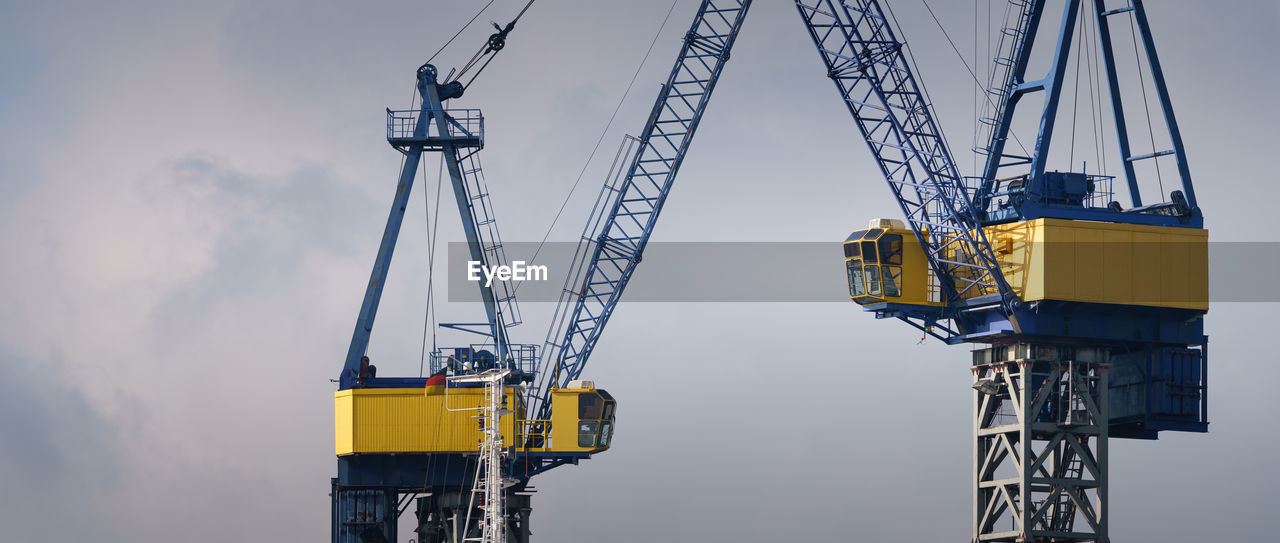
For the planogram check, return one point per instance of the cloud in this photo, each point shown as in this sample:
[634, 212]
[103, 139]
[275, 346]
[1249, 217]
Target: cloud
[178, 316]
[191, 195]
[57, 452]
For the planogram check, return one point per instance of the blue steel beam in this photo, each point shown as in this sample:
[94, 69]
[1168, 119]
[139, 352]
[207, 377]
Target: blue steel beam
[868, 64]
[662, 145]
[1016, 86]
[1052, 85]
[1117, 105]
[449, 137]
[1013, 90]
[1166, 104]
[378, 278]
[478, 241]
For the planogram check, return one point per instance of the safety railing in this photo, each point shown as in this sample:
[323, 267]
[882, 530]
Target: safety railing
[1099, 194]
[533, 433]
[1103, 192]
[462, 127]
[519, 356]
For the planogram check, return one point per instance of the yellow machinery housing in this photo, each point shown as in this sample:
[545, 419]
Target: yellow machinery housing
[443, 420]
[1045, 259]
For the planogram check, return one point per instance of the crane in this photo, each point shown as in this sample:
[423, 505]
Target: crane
[1086, 315]
[416, 439]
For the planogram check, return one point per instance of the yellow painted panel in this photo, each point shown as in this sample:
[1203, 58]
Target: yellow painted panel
[1021, 256]
[918, 285]
[1009, 245]
[1147, 279]
[1090, 269]
[1117, 278]
[407, 420]
[1057, 260]
[342, 418]
[387, 420]
[1105, 262]
[1035, 245]
[1174, 258]
[1198, 270]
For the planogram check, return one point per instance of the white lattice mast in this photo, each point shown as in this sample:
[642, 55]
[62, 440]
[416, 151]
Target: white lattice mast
[490, 484]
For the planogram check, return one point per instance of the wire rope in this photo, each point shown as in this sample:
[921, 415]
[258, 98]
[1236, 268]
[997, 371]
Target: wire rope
[1146, 104]
[432, 229]
[1102, 120]
[973, 142]
[460, 30]
[960, 55]
[413, 99]
[600, 139]
[494, 44]
[1089, 52]
[1075, 99]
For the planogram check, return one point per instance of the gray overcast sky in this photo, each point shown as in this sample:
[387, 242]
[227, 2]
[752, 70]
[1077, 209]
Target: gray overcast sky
[191, 195]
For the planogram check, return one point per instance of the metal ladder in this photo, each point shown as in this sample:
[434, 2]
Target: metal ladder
[1062, 515]
[1017, 22]
[487, 232]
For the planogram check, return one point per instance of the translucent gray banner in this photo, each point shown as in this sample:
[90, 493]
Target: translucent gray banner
[790, 272]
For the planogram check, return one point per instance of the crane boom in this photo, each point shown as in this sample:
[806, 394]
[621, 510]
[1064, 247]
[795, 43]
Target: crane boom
[869, 66]
[637, 200]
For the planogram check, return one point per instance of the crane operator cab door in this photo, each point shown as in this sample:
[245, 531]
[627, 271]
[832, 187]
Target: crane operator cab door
[886, 265]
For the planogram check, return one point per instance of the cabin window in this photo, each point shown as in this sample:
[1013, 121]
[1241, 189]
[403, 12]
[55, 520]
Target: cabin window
[869, 251]
[873, 280]
[587, 433]
[891, 249]
[606, 434]
[855, 278]
[891, 276]
[590, 406]
[851, 250]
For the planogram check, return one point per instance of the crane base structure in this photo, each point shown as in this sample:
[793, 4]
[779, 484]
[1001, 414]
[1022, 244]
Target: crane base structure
[442, 517]
[1040, 443]
[369, 513]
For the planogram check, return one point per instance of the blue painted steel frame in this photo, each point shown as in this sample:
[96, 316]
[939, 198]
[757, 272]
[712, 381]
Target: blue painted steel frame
[364, 495]
[867, 63]
[365, 492]
[635, 209]
[373, 293]
[1015, 87]
[443, 138]
[867, 54]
